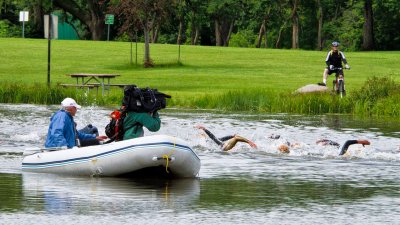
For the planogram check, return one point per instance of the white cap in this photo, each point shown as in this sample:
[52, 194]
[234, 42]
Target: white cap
[70, 102]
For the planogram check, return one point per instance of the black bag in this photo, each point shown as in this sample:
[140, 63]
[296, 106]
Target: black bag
[115, 129]
[143, 99]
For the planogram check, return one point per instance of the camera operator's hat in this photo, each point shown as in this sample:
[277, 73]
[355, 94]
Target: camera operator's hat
[70, 102]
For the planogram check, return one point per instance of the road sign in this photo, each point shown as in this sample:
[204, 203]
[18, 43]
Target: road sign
[109, 19]
[23, 16]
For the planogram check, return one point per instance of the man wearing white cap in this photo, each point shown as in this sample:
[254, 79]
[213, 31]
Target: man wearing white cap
[62, 130]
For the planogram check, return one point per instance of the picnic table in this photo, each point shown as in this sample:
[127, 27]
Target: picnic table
[94, 80]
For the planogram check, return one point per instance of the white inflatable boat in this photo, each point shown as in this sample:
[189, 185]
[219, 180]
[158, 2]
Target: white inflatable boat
[157, 155]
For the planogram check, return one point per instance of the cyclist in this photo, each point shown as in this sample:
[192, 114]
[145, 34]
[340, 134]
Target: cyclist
[333, 61]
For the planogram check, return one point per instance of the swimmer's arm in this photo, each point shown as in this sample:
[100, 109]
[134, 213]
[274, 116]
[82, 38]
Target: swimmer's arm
[242, 139]
[351, 142]
[209, 134]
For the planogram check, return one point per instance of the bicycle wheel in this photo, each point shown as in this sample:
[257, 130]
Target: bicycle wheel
[341, 90]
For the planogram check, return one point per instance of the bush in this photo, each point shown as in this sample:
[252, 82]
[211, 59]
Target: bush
[245, 39]
[8, 30]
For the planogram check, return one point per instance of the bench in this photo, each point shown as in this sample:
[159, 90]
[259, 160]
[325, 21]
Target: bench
[117, 85]
[88, 86]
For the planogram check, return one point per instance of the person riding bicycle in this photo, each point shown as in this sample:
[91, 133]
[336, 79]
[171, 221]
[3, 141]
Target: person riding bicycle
[334, 61]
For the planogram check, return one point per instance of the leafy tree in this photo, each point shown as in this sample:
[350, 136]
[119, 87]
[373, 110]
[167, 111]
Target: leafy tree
[224, 13]
[197, 17]
[91, 13]
[386, 24]
[142, 14]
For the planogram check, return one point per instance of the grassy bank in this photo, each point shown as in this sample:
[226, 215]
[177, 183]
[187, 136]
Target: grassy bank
[234, 79]
[376, 97]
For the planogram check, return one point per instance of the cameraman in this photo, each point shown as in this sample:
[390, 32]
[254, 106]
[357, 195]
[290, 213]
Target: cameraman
[134, 122]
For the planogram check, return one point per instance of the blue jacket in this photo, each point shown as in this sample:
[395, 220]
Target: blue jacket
[62, 131]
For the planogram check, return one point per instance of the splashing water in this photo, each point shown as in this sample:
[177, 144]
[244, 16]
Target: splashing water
[241, 186]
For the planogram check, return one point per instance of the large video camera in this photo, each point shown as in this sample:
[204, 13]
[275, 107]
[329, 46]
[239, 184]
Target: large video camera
[143, 99]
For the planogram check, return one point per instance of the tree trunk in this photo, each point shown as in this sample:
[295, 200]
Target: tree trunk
[37, 15]
[178, 41]
[218, 41]
[278, 40]
[295, 26]
[260, 34]
[193, 29]
[154, 31]
[295, 33]
[320, 23]
[368, 29]
[228, 36]
[147, 59]
[265, 37]
[196, 36]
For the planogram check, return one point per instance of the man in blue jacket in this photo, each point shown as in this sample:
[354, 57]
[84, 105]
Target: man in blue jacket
[62, 130]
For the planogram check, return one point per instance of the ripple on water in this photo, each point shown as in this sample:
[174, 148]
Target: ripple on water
[234, 187]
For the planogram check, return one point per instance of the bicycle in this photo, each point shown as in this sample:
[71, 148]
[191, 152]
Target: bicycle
[338, 83]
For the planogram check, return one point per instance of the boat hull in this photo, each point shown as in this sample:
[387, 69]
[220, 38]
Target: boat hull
[119, 158]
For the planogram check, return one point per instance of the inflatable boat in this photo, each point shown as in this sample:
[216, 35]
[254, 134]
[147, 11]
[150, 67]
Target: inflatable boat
[158, 155]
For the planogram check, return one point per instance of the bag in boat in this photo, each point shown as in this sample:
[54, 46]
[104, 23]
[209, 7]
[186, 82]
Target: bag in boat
[115, 129]
[143, 99]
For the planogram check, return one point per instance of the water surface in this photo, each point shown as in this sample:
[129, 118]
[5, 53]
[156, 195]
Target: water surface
[311, 184]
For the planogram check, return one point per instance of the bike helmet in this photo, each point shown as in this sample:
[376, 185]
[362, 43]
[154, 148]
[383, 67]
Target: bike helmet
[335, 44]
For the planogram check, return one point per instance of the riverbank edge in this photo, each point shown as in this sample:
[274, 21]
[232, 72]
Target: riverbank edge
[377, 97]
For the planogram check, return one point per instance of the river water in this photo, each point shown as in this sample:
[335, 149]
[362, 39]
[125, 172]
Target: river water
[310, 185]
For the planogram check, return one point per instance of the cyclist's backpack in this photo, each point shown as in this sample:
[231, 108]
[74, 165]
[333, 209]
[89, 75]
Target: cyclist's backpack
[143, 99]
[115, 129]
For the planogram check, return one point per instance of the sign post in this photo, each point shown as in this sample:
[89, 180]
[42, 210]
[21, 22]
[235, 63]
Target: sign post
[23, 16]
[109, 20]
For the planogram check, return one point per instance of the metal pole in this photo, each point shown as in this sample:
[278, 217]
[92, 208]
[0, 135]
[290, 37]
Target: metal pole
[49, 51]
[23, 25]
[179, 53]
[108, 32]
[136, 47]
[131, 53]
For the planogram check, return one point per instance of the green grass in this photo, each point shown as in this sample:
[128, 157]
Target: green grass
[209, 77]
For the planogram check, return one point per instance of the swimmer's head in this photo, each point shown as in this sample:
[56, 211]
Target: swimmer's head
[284, 148]
[275, 136]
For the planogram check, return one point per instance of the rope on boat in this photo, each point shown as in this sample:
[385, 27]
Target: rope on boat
[167, 157]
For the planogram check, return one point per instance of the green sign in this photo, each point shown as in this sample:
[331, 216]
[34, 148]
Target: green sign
[109, 19]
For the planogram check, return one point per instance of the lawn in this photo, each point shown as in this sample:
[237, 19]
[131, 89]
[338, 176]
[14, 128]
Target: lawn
[207, 77]
[203, 69]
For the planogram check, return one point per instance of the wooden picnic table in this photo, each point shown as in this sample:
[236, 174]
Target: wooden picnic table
[94, 79]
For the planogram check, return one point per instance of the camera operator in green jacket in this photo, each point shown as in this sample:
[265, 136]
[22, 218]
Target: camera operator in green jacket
[135, 121]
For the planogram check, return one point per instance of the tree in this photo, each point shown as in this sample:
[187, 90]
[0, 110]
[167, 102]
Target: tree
[320, 16]
[142, 14]
[295, 23]
[386, 24]
[368, 29]
[90, 13]
[196, 10]
[263, 11]
[224, 14]
[282, 9]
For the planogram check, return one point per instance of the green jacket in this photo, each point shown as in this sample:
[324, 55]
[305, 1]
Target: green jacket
[134, 122]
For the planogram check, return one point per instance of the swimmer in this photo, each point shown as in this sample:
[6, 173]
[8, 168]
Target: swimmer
[325, 142]
[227, 142]
[351, 142]
[343, 150]
[284, 147]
